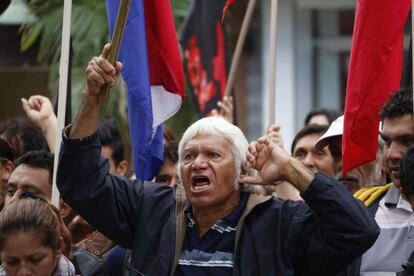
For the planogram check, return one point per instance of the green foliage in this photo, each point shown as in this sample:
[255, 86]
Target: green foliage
[89, 32]
[180, 10]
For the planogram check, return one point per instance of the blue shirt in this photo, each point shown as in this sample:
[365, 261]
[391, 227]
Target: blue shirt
[211, 254]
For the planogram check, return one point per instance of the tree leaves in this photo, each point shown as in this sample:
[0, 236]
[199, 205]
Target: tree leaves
[89, 32]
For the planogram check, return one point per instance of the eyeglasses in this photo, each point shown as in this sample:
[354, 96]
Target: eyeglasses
[32, 196]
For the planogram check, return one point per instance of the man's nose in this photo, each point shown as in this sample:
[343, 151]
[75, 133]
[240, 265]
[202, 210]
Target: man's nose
[395, 151]
[309, 162]
[174, 180]
[201, 162]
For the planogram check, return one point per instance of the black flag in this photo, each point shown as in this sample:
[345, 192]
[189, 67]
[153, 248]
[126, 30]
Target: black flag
[205, 54]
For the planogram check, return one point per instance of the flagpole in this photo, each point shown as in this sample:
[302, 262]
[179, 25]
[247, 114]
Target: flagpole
[119, 28]
[272, 64]
[63, 82]
[412, 51]
[239, 46]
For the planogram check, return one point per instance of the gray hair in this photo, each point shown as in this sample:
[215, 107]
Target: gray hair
[218, 127]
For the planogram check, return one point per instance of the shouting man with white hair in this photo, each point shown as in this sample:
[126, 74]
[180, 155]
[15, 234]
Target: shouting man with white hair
[211, 224]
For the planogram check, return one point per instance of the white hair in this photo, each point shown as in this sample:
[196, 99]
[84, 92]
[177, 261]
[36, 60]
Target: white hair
[218, 127]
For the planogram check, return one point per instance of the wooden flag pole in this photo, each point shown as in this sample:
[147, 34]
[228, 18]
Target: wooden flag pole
[120, 23]
[272, 64]
[63, 86]
[239, 46]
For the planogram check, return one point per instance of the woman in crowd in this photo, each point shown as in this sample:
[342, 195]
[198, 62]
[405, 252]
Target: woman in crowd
[33, 239]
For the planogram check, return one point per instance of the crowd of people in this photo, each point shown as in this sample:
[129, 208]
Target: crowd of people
[218, 205]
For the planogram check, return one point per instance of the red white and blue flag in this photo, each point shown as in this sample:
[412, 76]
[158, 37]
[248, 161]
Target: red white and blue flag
[153, 72]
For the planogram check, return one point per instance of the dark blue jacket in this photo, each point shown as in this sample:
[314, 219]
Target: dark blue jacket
[274, 237]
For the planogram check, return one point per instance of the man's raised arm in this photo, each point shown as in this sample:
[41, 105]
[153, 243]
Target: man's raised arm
[274, 164]
[332, 230]
[99, 72]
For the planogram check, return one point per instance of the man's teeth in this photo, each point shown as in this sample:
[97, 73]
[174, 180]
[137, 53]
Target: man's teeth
[200, 187]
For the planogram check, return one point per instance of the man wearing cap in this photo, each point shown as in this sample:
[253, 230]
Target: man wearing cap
[370, 174]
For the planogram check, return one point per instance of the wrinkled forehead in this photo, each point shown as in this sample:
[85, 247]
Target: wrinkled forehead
[307, 142]
[31, 177]
[204, 140]
[218, 129]
[207, 143]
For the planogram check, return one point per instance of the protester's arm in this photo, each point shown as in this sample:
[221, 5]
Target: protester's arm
[40, 110]
[275, 165]
[332, 229]
[114, 205]
[283, 189]
[99, 72]
[286, 191]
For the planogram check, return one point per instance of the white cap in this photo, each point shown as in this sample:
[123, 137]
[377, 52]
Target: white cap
[335, 129]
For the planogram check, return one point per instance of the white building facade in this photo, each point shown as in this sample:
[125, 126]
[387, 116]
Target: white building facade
[313, 46]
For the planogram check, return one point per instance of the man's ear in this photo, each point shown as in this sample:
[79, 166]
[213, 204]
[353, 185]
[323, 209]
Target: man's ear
[122, 168]
[8, 168]
[64, 209]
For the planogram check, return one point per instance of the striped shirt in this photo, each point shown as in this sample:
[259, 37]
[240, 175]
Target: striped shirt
[395, 217]
[211, 254]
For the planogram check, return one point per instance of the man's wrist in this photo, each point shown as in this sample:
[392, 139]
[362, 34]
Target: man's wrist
[86, 120]
[90, 97]
[76, 140]
[297, 174]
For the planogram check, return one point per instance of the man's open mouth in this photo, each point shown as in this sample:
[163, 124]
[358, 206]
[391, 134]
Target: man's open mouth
[200, 183]
[395, 170]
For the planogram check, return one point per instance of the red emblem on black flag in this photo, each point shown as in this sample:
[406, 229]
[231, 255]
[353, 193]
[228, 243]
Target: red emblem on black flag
[205, 54]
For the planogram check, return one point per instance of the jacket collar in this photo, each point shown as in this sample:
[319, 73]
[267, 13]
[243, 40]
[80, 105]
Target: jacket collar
[392, 197]
[253, 201]
[180, 203]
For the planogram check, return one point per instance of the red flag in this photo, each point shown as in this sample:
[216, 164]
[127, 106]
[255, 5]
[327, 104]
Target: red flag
[226, 7]
[166, 66]
[374, 71]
